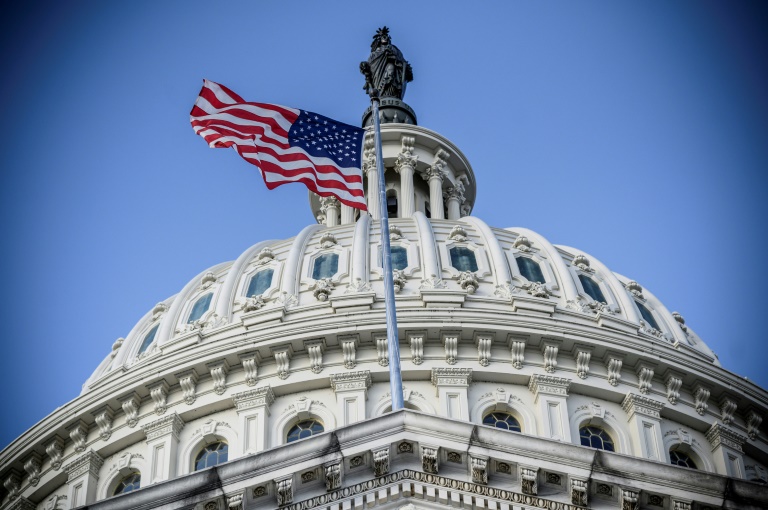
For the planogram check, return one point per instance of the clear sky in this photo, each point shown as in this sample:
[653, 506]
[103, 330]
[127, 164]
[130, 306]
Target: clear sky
[634, 131]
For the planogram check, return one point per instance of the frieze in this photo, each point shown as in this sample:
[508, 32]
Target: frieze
[450, 376]
[638, 404]
[549, 385]
[90, 462]
[347, 381]
[253, 398]
[171, 424]
[719, 435]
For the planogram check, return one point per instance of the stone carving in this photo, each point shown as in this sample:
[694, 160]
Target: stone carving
[265, 256]
[253, 398]
[548, 384]
[308, 476]
[458, 234]
[719, 435]
[253, 303]
[405, 447]
[103, 417]
[433, 282]
[78, 433]
[681, 505]
[647, 328]
[582, 263]
[614, 370]
[188, 384]
[171, 424]
[386, 71]
[346, 381]
[550, 356]
[159, 393]
[429, 459]
[12, 484]
[282, 360]
[382, 352]
[356, 461]
[259, 491]
[284, 491]
[753, 424]
[235, 501]
[484, 349]
[332, 476]
[89, 462]
[656, 500]
[211, 505]
[130, 407]
[328, 240]
[479, 468]
[644, 376]
[579, 492]
[454, 457]
[315, 350]
[417, 348]
[505, 291]
[701, 395]
[635, 289]
[349, 351]
[528, 479]
[33, 466]
[116, 347]
[517, 353]
[55, 451]
[536, 289]
[674, 383]
[641, 405]
[681, 321]
[604, 489]
[629, 499]
[582, 358]
[398, 280]
[381, 461]
[218, 371]
[553, 478]
[455, 193]
[468, 281]
[451, 342]
[251, 362]
[522, 244]
[322, 289]
[727, 408]
[53, 502]
[503, 468]
[395, 234]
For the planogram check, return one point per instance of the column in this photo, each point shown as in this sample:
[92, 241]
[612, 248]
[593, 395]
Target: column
[434, 175]
[162, 448]
[405, 166]
[372, 174]
[347, 215]
[253, 411]
[451, 386]
[330, 208]
[644, 417]
[550, 395]
[82, 477]
[351, 390]
[727, 450]
[454, 203]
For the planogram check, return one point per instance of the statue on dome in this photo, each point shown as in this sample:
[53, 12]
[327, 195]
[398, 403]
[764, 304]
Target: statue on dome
[385, 71]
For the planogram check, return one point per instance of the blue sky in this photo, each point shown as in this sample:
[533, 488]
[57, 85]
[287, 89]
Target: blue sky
[634, 131]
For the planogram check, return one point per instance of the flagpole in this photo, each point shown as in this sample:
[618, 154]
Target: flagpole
[393, 343]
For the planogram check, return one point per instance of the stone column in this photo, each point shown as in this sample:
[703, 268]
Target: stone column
[372, 174]
[644, 417]
[82, 477]
[405, 166]
[451, 387]
[727, 450]
[253, 411]
[351, 390]
[434, 175]
[330, 208]
[347, 215]
[551, 394]
[162, 448]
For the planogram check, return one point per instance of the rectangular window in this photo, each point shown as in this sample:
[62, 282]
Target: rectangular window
[463, 259]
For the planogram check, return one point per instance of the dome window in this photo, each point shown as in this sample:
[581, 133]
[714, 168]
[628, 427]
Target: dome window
[148, 340]
[304, 429]
[200, 307]
[259, 283]
[503, 421]
[595, 437]
[212, 455]
[463, 259]
[399, 257]
[678, 458]
[325, 266]
[592, 288]
[530, 269]
[129, 483]
[647, 316]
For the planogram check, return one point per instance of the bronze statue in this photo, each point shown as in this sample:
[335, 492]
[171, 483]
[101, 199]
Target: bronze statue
[386, 71]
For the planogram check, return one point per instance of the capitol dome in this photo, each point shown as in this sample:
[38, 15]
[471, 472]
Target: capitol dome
[534, 376]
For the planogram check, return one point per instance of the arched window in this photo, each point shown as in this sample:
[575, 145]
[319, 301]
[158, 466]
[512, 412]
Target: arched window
[595, 437]
[259, 283]
[212, 455]
[592, 288]
[391, 204]
[304, 429]
[399, 257]
[530, 269]
[463, 259]
[678, 458]
[502, 421]
[129, 483]
[647, 316]
[200, 307]
[148, 339]
[326, 265]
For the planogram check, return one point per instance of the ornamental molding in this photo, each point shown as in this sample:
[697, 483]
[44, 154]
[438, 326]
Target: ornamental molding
[78, 433]
[250, 362]
[582, 356]
[680, 321]
[33, 466]
[727, 408]
[380, 458]
[315, 349]
[171, 424]
[398, 280]
[673, 383]
[349, 344]
[484, 341]
[549, 349]
[284, 490]
[549, 385]
[131, 405]
[536, 289]
[582, 262]
[207, 280]
[332, 472]
[159, 392]
[522, 244]
[89, 463]
[718, 435]
[635, 289]
[265, 256]
[478, 469]
[188, 383]
[753, 424]
[328, 240]
[351, 381]
[644, 373]
[638, 404]
[458, 234]
[254, 398]
[55, 451]
[253, 303]
[701, 395]
[104, 416]
[450, 376]
[468, 281]
[283, 355]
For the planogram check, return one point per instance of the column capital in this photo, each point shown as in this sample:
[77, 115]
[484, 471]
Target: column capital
[351, 381]
[89, 462]
[718, 435]
[638, 404]
[250, 399]
[450, 376]
[171, 424]
[326, 202]
[549, 385]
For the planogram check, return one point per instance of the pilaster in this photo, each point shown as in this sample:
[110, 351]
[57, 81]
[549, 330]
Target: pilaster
[644, 417]
[550, 395]
[162, 448]
[82, 477]
[253, 410]
[351, 390]
[727, 450]
[451, 387]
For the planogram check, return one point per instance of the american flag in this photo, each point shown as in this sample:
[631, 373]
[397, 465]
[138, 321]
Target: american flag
[286, 144]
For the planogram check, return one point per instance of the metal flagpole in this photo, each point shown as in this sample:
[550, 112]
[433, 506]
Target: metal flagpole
[393, 344]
